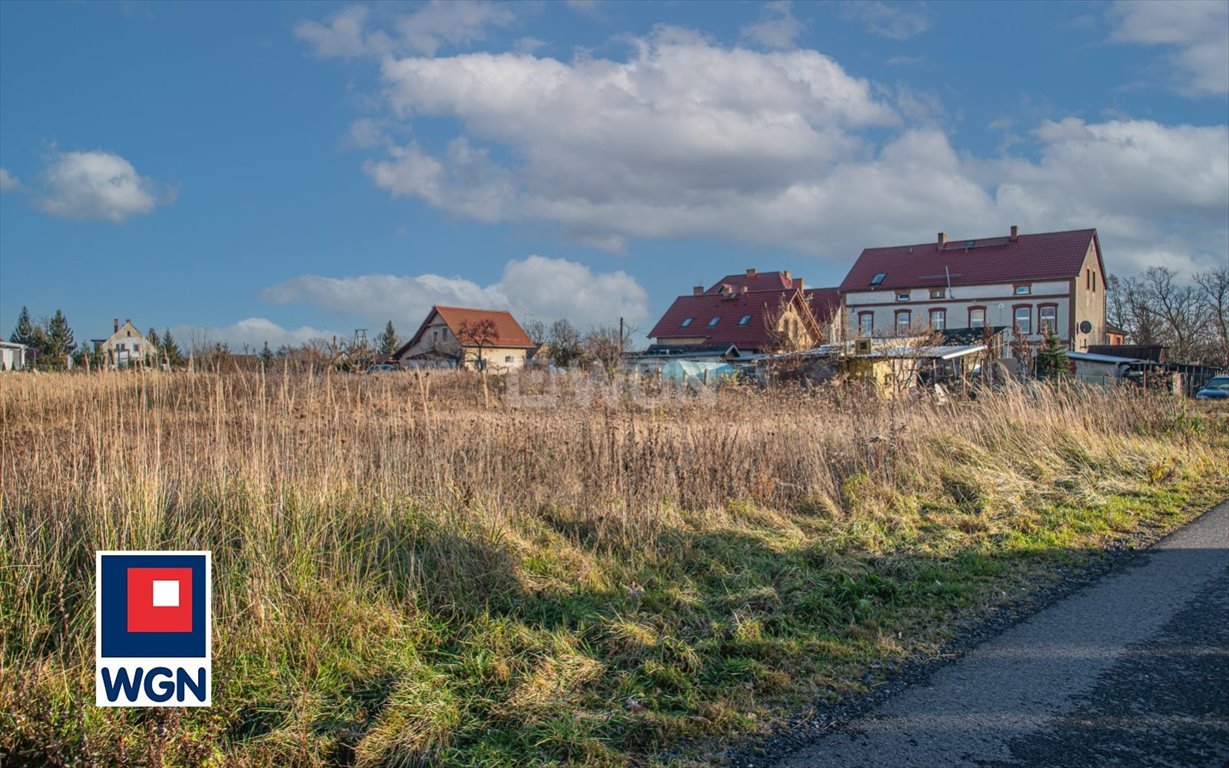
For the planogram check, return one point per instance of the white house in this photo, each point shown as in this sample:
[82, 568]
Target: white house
[127, 345]
[13, 357]
[462, 337]
[1028, 283]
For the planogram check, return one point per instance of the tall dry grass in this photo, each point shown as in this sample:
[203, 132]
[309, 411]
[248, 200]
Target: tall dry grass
[361, 523]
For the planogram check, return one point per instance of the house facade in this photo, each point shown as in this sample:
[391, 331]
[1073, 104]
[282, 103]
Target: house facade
[125, 346]
[1028, 283]
[753, 312]
[460, 337]
[13, 356]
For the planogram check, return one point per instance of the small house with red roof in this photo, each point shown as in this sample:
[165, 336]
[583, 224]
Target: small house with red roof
[487, 339]
[1028, 283]
[749, 313]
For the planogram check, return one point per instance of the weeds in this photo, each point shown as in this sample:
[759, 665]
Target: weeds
[408, 574]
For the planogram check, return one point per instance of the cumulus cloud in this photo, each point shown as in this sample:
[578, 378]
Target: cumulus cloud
[252, 333]
[777, 27]
[425, 31]
[8, 181]
[534, 287]
[685, 138]
[1196, 30]
[896, 21]
[98, 185]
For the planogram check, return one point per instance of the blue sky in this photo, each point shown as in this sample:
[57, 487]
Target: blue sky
[278, 171]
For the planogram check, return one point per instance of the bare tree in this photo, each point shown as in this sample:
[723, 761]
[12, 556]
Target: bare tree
[1213, 287]
[477, 335]
[1177, 307]
[564, 343]
[602, 347]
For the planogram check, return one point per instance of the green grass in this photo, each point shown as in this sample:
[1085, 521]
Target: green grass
[388, 627]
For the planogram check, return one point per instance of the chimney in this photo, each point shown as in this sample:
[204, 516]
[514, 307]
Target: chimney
[751, 272]
[797, 283]
[786, 274]
[116, 322]
[745, 289]
[1015, 233]
[697, 291]
[942, 239]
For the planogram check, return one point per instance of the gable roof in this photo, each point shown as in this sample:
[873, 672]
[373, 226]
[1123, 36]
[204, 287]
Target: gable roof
[508, 332]
[754, 280]
[824, 303]
[1039, 256]
[729, 309]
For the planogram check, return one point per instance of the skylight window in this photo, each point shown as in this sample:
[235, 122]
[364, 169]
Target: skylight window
[745, 321]
[713, 323]
[686, 322]
[877, 279]
[970, 244]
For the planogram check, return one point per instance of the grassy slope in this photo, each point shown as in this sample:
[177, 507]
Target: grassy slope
[400, 576]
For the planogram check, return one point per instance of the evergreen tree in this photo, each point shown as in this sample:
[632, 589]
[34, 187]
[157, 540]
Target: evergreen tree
[1052, 358]
[266, 355]
[24, 332]
[59, 340]
[154, 342]
[170, 350]
[387, 341]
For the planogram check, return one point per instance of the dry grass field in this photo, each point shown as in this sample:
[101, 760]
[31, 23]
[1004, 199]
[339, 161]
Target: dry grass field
[409, 571]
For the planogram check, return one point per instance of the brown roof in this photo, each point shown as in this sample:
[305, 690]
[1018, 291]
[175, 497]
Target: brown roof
[735, 317]
[1036, 256]
[508, 332]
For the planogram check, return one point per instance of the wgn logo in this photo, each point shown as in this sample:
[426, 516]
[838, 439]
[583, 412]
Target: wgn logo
[152, 629]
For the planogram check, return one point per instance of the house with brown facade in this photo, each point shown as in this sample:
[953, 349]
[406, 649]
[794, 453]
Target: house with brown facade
[460, 337]
[1029, 283]
[754, 312]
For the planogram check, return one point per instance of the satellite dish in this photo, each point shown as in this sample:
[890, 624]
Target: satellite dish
[1085, 326]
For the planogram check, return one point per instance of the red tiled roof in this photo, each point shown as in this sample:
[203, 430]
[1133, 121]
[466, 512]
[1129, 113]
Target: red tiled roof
[508, 332]
[824, 303]
[729, 309]
[754, 281]
[1039, 256]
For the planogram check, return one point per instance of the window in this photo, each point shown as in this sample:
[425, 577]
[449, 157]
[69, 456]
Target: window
[136, 347]
[977, 317]
[1094, 282]
[713, 323]
[878, 279]
[904, 319]
[902, 295]
[866, 323]
[1023, 316]
[119, 347]
[745, 321]
[509, 359]
[1022, 289]
[1047, 318]
[938, 319]
[970, 243]
[686, 322]
[938, 293]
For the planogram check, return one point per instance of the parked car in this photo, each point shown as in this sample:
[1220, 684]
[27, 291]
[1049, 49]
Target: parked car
[383, 368]
[1216, 389]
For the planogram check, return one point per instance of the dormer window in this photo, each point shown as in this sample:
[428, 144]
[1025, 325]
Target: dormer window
[686, 322]
[878, 279]
[745, 321]
[902, 295]
[713, 323]
[1022, 289]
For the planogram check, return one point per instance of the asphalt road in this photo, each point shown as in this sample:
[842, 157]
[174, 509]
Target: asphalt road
[1131, 671]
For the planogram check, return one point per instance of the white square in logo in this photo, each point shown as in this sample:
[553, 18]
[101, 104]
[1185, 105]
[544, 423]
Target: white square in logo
[166, 594]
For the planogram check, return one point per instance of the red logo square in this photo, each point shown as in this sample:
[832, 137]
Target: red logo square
[159, 599]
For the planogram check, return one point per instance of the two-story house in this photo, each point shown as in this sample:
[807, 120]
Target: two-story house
[1029, 283]
[489, 339]
[753, 312]
[125, 346]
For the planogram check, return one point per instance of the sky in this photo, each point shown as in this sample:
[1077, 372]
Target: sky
[277, 172]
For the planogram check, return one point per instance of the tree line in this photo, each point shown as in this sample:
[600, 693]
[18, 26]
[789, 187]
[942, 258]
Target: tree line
[1190, 319]
[54, 346]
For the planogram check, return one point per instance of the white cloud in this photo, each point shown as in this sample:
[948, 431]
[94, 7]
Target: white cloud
[366, 133]
[894, 21]
[8, 181]
[688, 139]
[98, 185]
[1198, 30]
[777, 28]
[252, 333]
[425, 31]
[534, 287]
